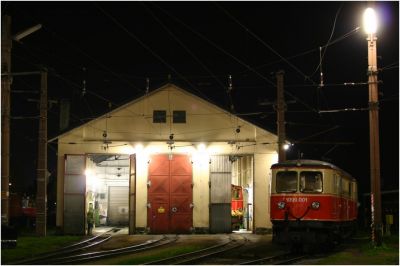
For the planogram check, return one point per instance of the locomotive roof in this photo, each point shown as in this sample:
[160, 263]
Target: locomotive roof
[305, 162]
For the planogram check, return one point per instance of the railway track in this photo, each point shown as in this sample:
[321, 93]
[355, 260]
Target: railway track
[93, 256]
[201, 256]
[281, 259]
[77, 247]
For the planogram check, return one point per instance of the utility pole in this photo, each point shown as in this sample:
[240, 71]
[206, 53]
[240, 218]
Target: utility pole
[41, 191]
[6, 80]
[6, 44]
[281, 106]
[370, 27]
[374, 140]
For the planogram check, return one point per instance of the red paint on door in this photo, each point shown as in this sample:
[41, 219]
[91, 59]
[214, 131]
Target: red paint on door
[170, 194]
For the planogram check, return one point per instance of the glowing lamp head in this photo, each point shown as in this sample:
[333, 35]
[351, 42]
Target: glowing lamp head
[201, 147]
[370, 21]
[286, 147]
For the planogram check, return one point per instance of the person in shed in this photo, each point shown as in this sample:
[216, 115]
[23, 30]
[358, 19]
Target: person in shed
[90, 219]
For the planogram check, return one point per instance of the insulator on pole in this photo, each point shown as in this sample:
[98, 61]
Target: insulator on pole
[147, 85]
[321, 74]
[230, 87]
[84, 81]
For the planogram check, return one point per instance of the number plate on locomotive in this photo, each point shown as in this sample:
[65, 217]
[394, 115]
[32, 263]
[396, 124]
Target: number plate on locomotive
[299, 199]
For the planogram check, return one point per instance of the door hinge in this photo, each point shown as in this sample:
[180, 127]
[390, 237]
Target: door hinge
[149, 183]
[148, 205]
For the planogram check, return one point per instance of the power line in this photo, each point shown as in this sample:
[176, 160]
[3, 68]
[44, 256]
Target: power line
[92, 59]
[343, 110]
[318, 133]
[232, 56]
[348, 34]
[265, 44]
[184, 46]
[113, 19]
[215, 45]
[330, 38]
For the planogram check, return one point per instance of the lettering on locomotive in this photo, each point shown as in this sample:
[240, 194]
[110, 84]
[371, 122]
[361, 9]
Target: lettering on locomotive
[300, 199]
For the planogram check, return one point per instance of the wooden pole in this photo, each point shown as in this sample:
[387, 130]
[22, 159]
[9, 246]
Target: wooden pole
[41, 191]
[376, 212]
[281, 106]
[6, 44]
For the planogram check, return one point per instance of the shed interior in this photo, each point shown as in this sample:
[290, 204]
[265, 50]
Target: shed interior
[107, 188]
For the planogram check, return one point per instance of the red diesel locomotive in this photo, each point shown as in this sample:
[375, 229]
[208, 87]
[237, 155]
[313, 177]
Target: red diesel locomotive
[312, 202]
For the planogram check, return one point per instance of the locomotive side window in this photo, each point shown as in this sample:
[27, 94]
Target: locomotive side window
[345, 187]
[350, 189]
[286, 182]
[310, 181]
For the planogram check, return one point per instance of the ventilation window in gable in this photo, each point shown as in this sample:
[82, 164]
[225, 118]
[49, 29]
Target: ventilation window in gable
[159, 116]
[179, 116]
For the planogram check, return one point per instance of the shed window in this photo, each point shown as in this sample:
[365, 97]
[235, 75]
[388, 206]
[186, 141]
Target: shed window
[159, 116]
[179, 116]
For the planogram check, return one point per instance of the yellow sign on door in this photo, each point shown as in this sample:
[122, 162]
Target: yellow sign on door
[161, 209]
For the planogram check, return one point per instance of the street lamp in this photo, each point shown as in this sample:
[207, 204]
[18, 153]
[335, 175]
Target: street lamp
[370, 26]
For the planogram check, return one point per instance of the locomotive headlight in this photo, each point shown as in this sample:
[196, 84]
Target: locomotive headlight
[315, 205]
[281, 205]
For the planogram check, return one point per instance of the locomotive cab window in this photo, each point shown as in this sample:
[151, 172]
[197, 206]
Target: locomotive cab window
[286, 182]
[310, 182]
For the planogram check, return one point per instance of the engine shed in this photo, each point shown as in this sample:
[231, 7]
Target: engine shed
[167, 162]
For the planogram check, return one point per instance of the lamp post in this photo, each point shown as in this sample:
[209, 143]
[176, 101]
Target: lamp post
[370, 25]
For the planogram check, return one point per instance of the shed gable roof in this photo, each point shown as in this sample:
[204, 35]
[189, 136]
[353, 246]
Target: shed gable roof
[205, 121]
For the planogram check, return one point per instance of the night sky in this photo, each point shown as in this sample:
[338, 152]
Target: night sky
[115, 46]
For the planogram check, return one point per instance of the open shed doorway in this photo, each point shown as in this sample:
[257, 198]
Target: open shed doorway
[242, 193]
[231, 193]
[108, 188]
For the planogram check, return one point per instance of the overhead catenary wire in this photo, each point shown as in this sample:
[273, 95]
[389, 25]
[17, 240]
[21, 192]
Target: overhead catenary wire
[93, 60]
[234, 57]
[330, 150]
[76, 85]
[319, 133]
[313, 50]
[214, 44]
[184, 46]
[54, 73]
[389, 66]
[265, 44]
[343, 110]
[131, 34]
[108, 70]
[328, 42]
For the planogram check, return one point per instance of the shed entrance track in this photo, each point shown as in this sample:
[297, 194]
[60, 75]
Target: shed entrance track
[281, 259]
[77, 253]
[93, 256]
[201, 256]
[74, 248]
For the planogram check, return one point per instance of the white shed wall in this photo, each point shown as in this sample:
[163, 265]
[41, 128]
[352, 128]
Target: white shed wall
[262, 181]
[132, 127]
